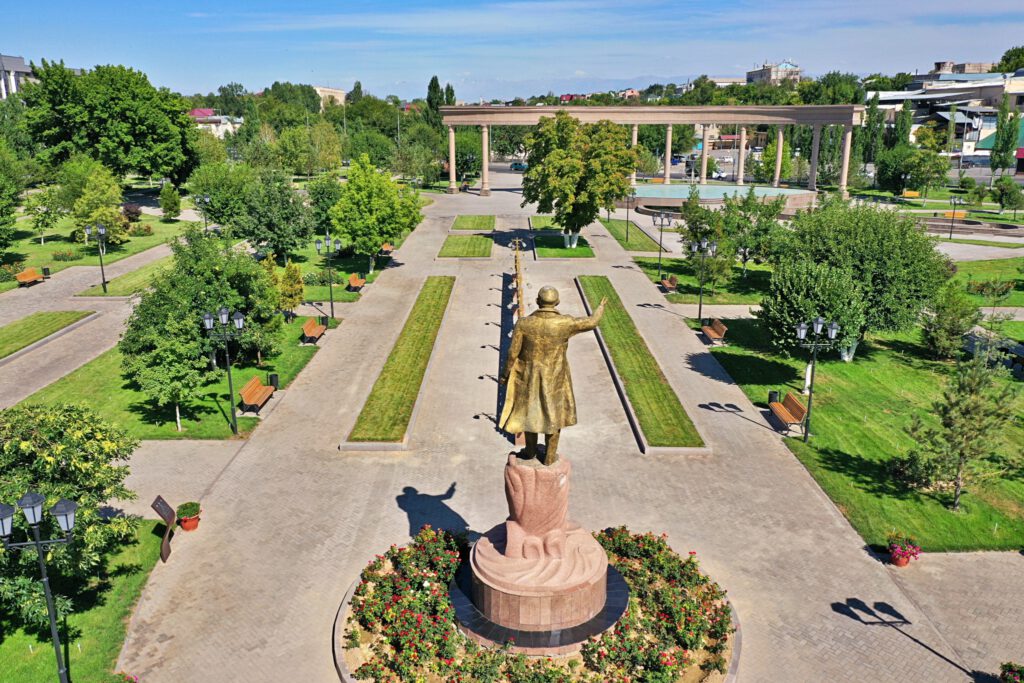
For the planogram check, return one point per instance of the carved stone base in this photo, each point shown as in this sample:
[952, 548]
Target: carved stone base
[539, 593]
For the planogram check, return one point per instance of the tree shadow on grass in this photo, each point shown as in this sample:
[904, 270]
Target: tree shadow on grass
[746, 369]
[870, 476]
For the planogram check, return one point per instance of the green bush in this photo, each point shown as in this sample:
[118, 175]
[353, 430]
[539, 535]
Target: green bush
[190, 509]
[968, 183]
[170, 202]
[950, 316]
[67, 255]
[140, 229]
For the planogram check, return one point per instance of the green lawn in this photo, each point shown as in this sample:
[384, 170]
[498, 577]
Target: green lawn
[133, 282]
[476, 246]
[100, 384]
[385, 415]
[343, 266]
[478, 223]
[1007, 269]
[861, 410]
[551, 244]
[662, 418]
[638, 239]
[738, 290]
[26, 245]
[543, 223]
[99, 625]
[33, 327]
[987, 243]
[1014, 329]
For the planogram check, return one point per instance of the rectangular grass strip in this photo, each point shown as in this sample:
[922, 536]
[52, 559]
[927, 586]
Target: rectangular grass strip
[662, 417]
[473, 246]
[388, 409]
[478, 223]
[33, 327]
[130, 283]
[638, 239]
[551, 244]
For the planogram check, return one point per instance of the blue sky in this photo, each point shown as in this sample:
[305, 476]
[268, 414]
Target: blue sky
[506, 48]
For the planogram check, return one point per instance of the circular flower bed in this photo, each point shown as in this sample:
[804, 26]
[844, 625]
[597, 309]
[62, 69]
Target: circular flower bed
[401, 624]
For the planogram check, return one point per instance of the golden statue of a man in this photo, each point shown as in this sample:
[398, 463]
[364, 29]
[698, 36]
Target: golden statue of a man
[539, 398]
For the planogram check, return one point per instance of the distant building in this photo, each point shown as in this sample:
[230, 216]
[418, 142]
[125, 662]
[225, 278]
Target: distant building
[988, 143]
[629, 94]
[725, 81]
[13, 74]
[328, 94]
[210, 120]
[775, 74]
[570, 97]
[964, 68]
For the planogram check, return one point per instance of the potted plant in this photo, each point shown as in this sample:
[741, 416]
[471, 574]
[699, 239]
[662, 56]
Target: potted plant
[188, 515]
[1010, 672]
[902, 549]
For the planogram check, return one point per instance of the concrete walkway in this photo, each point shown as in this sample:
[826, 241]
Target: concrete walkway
[290, 521]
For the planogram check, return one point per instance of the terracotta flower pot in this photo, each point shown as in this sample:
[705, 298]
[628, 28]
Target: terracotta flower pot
[189, 523]
[899, 561]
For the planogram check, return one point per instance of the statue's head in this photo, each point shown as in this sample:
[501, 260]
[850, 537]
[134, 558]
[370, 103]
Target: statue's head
[547, 297]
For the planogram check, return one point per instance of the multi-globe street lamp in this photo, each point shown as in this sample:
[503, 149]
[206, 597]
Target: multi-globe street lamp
[955, 202]
[101, 246]
[661, 220]
[32, 505]
[230, 328]
[704, 248]
[333, 248]
[816, 342]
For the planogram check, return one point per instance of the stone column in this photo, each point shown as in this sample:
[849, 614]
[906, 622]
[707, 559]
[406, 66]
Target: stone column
[741, 157]
[812, 175]
[705, 135]
[485, 178]
[778, 156]
[844, 168]
[452, 185]
[668, 154]
[635, 138]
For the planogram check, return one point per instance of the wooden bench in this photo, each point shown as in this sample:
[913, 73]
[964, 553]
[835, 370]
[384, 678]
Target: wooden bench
[659, 180]
[955, 214]
[715, 332]
[386, 249]
[670, 284]
[312, 330]
[910, 194]
[255, 394]
[355, 283]
[29, 276]
[790, 412]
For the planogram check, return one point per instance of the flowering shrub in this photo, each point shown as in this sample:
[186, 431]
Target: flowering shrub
[902, 545]
[677, 617]
[1011, 672]
[9, 271]
[66, 255]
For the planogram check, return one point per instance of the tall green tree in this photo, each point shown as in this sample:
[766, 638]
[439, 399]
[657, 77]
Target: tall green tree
[373, 209]
[62, 451]
[947, 319]
[752, 225]
[100, 204]
[951, 129]
[171, 371]
[763, 169]
[874, 130]
[324, 192]
[1004, 149]
[1012, 60]
[355, 94]
[170, 202]
[275, 217]
[41, 207]
[435, 95]
[449, 95]
[227, 185]
[575, 170]
[1009, 194]
[901, 129]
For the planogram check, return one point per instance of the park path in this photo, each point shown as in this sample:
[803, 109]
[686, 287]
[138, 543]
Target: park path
[291, 520]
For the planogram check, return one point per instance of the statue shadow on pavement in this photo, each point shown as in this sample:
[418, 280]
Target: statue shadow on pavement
[432, 509]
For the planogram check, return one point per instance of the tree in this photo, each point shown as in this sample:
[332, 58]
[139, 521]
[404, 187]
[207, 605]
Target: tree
[752, 224]
[802, 290]
[951, 129]
[927, 170]
[275, 217]
[227, 185]
[170, 202]
[373, 209]
[575, 170]
[100, 204]
[927, 137]
[972, 414]
[1009, 194]
[210, 149]
[764, 168]
[652, 137]
[468, 152]
[295, 150]
[171, 371]
[1013, 59]
[324, 192]
[1004, 149]
[901, 130]
[449, 95]
[62, 451]
[269, 264]
[41, 207]
[894, 264]
[947, 319]
[435, 95]
[355, 94]
[326, 146]
[291, 288]
[378, 147]
[893, 167]
[874, 130]
[72, 177]
[646, 163]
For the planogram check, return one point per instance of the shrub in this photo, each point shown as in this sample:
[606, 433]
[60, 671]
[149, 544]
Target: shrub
[317, 278]
[950, 316]
[140, 229]
[170, 202]
[968, 183]
[190, 509]
[916, 469]
[132, 212]
[1011, 672]
[67, 255]
[8, 271]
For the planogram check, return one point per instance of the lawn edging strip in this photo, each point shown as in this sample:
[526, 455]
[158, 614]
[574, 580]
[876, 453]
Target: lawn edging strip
[620, 388]
[402, 444]
[91, 315]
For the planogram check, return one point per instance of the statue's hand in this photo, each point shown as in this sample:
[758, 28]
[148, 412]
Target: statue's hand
[604, 300]
[503, 379]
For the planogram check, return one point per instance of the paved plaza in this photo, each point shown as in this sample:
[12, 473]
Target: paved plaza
[290, 520]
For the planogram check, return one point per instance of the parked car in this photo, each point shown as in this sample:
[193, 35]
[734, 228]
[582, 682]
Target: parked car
[757, 149]
[518, 166]
[718, 175]
[726, 160]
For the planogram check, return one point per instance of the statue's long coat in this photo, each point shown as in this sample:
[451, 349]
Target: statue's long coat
[538, 396]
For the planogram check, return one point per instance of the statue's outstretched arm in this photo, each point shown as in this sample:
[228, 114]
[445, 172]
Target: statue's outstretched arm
[591, 321]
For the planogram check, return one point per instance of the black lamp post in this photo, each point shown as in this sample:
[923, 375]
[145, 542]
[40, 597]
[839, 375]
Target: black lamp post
[101, 246]
[331, 252]
[32, 505]
[817, 342]
[954, 202]
[230, 327]
[661, 220]
[703, 248]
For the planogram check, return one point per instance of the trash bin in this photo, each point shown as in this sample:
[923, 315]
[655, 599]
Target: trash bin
[46, 271]
[325, 320]
[773, 397]
[274, 381]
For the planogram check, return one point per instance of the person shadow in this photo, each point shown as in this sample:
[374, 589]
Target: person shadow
[425, 508]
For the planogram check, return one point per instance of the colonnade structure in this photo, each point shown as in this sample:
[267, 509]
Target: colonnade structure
[816, 116]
